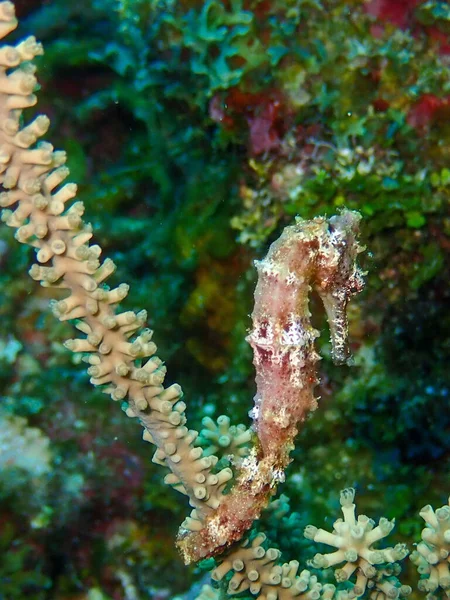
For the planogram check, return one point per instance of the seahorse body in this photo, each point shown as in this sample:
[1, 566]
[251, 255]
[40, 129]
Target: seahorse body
[320, 255]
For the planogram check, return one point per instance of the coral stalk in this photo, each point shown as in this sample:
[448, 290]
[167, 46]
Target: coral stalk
[121, 355]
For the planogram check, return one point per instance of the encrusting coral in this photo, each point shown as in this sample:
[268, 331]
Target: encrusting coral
[320, 254]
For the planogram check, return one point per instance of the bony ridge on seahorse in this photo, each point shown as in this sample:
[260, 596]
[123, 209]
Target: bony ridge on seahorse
[321, 255]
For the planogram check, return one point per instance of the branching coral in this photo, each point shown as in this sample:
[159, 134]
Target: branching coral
[223, 439]
[432, 556]
[354, 539]
[33, 176]
[256, 569]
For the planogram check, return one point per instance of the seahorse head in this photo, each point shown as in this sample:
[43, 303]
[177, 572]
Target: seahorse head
[337, 276]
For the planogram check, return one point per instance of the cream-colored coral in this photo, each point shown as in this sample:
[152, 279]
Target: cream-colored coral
[23, 447]
[354, 539]
[223, 439]
[432, 556]
[256, 569]
[118, 348]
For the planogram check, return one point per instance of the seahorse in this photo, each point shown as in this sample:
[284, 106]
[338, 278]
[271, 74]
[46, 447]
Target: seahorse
[318, 255]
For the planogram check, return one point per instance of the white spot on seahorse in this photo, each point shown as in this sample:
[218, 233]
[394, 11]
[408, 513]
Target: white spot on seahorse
[295, 333]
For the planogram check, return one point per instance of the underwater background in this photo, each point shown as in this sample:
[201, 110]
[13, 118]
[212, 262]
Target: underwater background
[196, 130]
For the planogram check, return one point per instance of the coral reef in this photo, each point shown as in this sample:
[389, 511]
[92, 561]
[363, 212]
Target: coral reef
[183, 117]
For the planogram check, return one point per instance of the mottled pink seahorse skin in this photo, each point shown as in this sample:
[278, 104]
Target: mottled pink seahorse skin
[319, 254]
